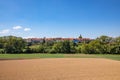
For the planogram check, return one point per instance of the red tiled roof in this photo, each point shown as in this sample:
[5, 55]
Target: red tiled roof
[58, 39]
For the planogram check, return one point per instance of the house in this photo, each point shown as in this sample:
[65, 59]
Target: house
[40, 40]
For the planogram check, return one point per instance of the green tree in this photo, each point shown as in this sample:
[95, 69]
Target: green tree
[56, 48]
[78, 49]
[104, 39]
[61, 47]
[12, 44]
[80, 36]
[73, 47]
[65, 47]
[115, 46]
[85, 49]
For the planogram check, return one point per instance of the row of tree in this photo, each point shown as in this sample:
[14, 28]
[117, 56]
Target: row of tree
[11, 44]
[101, 45]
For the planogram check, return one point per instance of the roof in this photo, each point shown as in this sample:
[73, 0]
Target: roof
[49, 39]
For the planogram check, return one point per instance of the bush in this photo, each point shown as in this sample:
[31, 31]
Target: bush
[2, 51]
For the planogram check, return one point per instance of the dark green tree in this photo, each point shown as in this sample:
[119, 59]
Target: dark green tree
[80, 36]
[12, 44]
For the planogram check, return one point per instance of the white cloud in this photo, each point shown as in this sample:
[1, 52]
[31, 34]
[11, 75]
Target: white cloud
[27, 29]
[5, 31]
[17, 27]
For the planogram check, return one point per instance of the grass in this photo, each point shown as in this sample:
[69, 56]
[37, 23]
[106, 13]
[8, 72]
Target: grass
[30, 56]
[107, 56]
[36, 56]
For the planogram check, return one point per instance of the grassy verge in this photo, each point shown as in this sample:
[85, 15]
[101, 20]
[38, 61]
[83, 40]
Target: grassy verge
[35, 56]
[30, 56]
[107, 56]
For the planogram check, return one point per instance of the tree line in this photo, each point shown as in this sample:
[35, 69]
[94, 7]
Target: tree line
[101, 45]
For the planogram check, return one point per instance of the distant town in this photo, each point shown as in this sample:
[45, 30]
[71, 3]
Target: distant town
[40, 40]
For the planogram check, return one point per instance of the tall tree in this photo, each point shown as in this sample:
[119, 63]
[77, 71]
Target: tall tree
[80, 36]
[12, 44]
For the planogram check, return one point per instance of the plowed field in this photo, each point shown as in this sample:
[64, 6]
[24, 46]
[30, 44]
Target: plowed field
[60, 69]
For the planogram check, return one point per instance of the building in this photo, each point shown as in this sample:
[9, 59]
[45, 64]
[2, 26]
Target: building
[40, 40]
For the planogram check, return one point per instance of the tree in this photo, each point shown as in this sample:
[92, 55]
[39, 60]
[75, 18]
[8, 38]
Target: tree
[65, 47]
[73, 47]
[80, 36]
[101, 45]
[115, 46]
[12, 44]
[104, 39]
[78, 49]
[96, 47]
[57, 47]
[85, 49]
[44, 40]
[61, 47]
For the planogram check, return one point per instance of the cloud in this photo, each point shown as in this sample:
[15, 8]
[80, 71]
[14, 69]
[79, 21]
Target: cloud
[17, 27]
[27, 29]
[5, 31]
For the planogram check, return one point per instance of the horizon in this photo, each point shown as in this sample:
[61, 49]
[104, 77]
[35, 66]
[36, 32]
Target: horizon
[60, 18]
[59, 37]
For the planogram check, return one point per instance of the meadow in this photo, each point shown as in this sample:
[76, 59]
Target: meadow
[47, 55]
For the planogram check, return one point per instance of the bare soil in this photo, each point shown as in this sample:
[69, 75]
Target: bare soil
[60, 69]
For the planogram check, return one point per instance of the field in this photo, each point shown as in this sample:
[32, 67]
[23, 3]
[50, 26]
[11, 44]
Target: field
[60, 69]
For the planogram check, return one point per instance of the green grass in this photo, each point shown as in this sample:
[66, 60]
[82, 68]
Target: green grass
[30, 56]
[36, 56]
[107, 56]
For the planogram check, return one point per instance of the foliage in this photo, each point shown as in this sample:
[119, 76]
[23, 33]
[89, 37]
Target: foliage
[12, 44]
[61, 47]
[101, 45]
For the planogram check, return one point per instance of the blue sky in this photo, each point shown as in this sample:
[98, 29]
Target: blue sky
[60, 18]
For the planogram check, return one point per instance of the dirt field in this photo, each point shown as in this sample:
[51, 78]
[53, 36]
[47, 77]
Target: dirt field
[60, 69]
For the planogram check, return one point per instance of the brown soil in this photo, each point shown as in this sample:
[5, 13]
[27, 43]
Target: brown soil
[60, 69]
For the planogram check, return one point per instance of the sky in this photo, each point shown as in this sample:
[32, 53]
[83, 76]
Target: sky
[60, 18]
